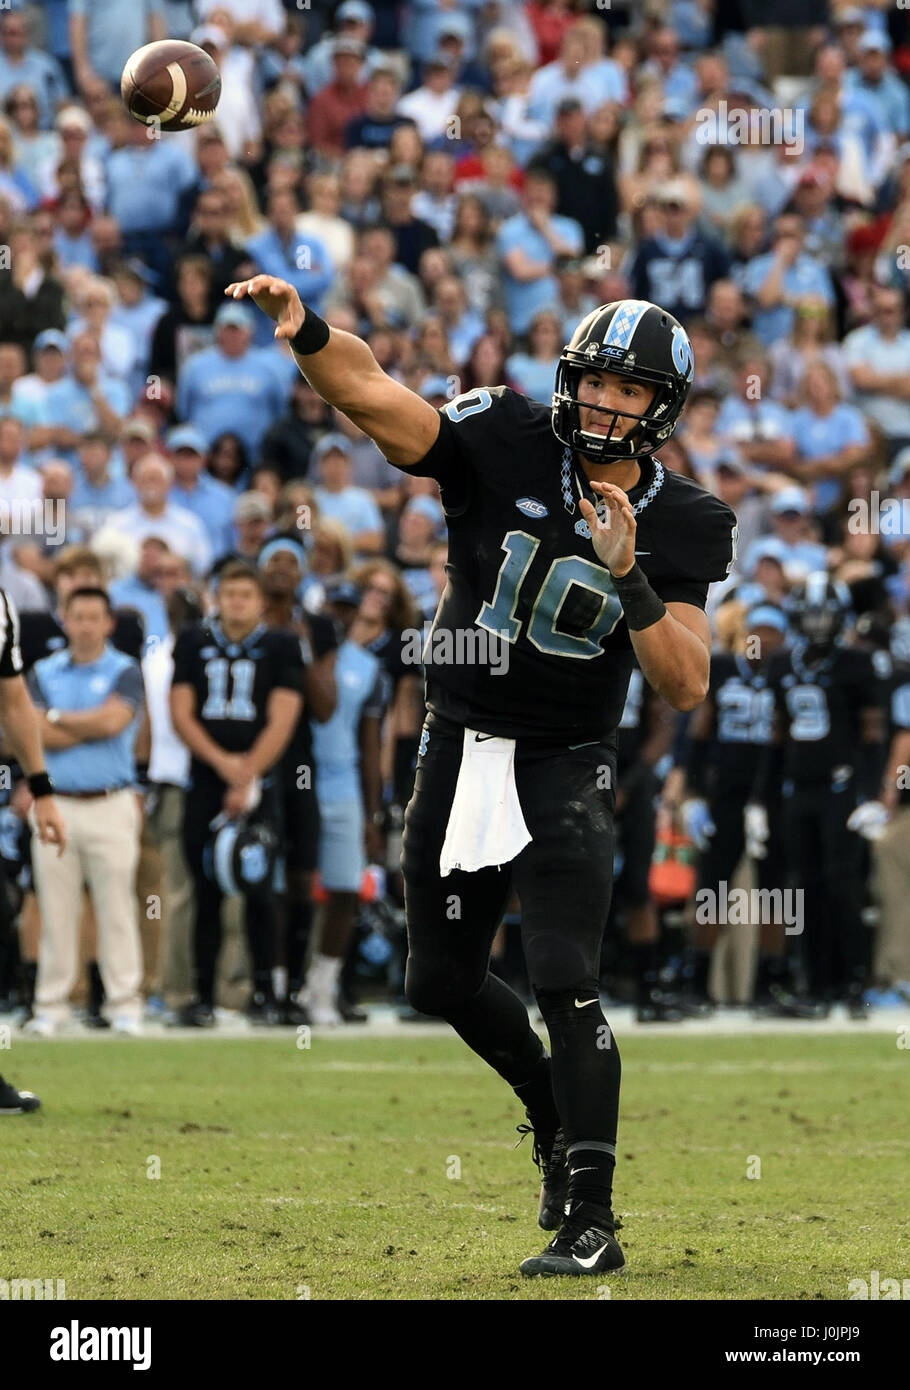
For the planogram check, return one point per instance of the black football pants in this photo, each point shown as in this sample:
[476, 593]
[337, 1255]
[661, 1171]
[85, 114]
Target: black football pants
[564, 881]
[825, 859]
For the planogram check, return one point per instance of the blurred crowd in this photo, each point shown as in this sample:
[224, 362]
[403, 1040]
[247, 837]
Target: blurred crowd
[458, 184]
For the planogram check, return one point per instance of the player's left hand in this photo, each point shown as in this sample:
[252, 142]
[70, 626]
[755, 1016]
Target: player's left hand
[49, 823]
[274, 297]
[236, 799]
[613, 539]
[870, 819]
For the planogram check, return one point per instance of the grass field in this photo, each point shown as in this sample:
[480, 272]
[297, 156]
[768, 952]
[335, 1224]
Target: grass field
[323, 1173]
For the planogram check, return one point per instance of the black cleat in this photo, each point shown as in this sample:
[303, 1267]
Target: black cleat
[263, 1012]
[585, 1245]
[782, 1004]
[294, 1014]
[857, 1008]
[195, 1015]
[658, 1007]
[13, 1102]
[549, 1154]
[350, 1012]
[95, 1019]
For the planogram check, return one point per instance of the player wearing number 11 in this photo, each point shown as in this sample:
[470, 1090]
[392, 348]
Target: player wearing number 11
[572, 550]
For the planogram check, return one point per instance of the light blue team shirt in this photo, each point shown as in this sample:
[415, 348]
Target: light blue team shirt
[43, 74]
[130, 592]
[890, 97]
[354, 507]
[243, 394]
[818, 435]
[602, 82]
[336, 744]
[58, 682]
[213, 503]
[525, 298]
[69, 403]
[145, 183]
[744, 421]
[535, 378]
[805, 276]
[114, 31]
[75, 251]
[90, 507]
[865, 347]
[140, 321]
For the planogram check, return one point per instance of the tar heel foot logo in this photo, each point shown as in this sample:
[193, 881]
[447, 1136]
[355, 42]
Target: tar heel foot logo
[76, 1343]
[532, 507]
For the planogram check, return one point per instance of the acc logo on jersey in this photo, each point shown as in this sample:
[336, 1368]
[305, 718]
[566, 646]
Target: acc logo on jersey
[531, 507]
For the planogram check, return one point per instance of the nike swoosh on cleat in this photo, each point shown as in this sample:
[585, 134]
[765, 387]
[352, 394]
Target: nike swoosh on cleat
[573, 1171]
[591, 1260]
[583, 1003]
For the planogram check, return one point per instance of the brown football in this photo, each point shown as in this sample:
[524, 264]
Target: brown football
[173, 82]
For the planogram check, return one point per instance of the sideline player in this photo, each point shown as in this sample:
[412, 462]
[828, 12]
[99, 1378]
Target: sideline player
[549, 512]
[20, 735]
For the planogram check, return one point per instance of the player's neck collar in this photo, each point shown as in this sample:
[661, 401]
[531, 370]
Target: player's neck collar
[650, 482]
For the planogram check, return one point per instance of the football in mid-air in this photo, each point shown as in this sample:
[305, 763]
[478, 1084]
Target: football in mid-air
[173, 82]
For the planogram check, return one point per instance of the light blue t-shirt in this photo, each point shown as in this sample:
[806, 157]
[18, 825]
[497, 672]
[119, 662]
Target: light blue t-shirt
[535, 378]
[115, 30]
[354, 507]
[58, 682]
[145, 183]
[336, 744]
[525, 297]
[91, 507]
[130, 592]
[213, 503]
[804, 277]
[818, 435]
[69, 403]
[593, 87]
[242, 394]
[43, 74]
[865, 347]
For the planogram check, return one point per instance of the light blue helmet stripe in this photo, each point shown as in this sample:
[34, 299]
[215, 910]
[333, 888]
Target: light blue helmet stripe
[625, 321]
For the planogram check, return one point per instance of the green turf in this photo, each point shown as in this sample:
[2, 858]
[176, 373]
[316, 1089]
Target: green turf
[327, 1168]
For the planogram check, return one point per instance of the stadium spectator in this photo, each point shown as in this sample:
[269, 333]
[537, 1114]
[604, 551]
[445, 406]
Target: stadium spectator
[678, 264]
[197, 491]
[23, 65]
[32, 146]
[373, 129]
[86, 397]
[354, 20]
[303, 260]
[209, 236]
[878, 362]
[18, 481]
[31, 299]
[432, 105]
[337, 498]
[830, 435]
[97, 494]
[322, 219]
[91, 699]
[529, 245]
[102, 36]
[779, 280]
[186, 326]
[140, 590]
[253, 516]
[585, 182]
[154, 513]
[339, 103]
[73, 125]
[534, 371]
[231, 385]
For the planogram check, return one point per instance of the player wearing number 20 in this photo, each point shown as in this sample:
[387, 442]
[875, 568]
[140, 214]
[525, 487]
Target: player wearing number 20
[572, 544]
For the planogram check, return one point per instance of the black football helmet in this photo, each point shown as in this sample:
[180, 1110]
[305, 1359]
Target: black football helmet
[819, 607]
[241, 854]
[635, 339]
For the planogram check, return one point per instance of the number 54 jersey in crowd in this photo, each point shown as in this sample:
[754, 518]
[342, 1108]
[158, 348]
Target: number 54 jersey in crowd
[529, 639]
[233, 680]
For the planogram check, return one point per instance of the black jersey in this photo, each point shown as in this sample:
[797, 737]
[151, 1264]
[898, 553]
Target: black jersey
[233, 680]
[897, 694]
[820, 706]
[743, 719]
[42, 634]
[10, 651]
[529, 639]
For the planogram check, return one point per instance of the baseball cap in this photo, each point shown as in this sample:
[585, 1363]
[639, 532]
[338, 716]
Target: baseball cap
[454, 26]
[186, 437]
[138, 428]
[328, 442]
[675, 191]
[440, 60]
[209, 33]
[234, 314]
[851, 15]
[568, 105]
[426, 507]
[344, 592]
[355, 47]
[731, 462]
[790, 499]
[357, 11]
[874, 41]
[252, 506]
[768, 548]
[74, 116]
[51, 338]
[766, 615]
[433, 386]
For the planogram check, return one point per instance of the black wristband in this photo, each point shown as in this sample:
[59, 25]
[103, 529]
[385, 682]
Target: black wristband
[313, 336]
[39, 784]
[640, 605]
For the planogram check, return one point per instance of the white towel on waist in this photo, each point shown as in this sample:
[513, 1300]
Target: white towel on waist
[486, 825]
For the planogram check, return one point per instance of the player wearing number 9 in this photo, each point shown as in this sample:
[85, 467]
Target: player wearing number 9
[575, 550]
